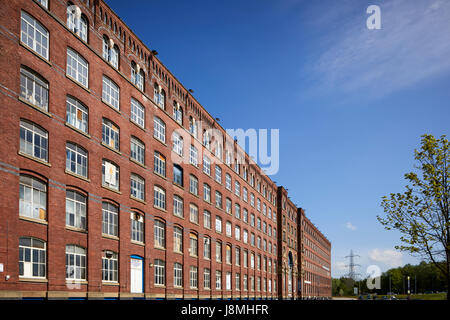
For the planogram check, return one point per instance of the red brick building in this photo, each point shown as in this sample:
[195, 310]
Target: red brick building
[115, 181]
[315, 266]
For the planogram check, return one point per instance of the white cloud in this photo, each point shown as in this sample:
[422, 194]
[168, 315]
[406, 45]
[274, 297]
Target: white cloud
[340, 265]
[411, 46]
[389, 257]
[350, 226]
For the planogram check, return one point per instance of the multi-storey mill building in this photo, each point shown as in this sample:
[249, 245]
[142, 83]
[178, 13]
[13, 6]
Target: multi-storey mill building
[115, 181]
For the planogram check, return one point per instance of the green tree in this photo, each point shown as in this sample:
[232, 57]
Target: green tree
[421, 213]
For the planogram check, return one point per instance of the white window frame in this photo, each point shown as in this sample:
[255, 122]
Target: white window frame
[110, 93]
[77, 67]
[34, 30]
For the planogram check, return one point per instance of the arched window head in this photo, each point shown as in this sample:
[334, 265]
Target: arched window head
[160, 96]
[110, 52]
[137, 75]
[77, 22]
[193, 127]
[177, 112]
[206, 139]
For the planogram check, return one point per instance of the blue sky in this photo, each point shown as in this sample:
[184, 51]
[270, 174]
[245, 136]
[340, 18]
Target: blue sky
[350, 103]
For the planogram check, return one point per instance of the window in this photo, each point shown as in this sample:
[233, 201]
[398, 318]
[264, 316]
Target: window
[137, 76]
[228, 158]
[76, 160]
[207, 219]
[218, 150]
[228, 205]
[159, 130]
[34, 35]
[137, 227]
[177, 239]
[177, 113]
[237, 211]
[206, 192]
[245, 194]
[32, 198]
[252, 200]
[43, 3]
[218, 174]
[207, 139]
[238, 281]
[75, 263]
[110, 52]
[237, 256]
[245, 236]
[110, 220]
[178, 207]
[137, 187]
[178, 175]
[237, 233]
[252, 239]
[193, 129]
[110, 266]
[228, 281]
[160, 164]
[245, 282]
[218, 280]
[193, 213]
[110, 175]
[218, 199]
[206, 248]
[76, 209]
[33, 140]
[160, 272]
[159, 198]
[193, 275]
[245, 215]
[77, 67]
[237, 188]
[32, 258]
[137, 149]
[76, 22]
[252, 260]
[178, 275]
[159, 96]
[193, 185]
[206, 165]
[160, 234]
[76, 114]
[193, 156]
[228, 254]
[34, 88]
[111, 93]
[228, 228]
[218, 251]
[252, 219]
[177, 143]
[193, 245]
[218, 224]
[228, 181]
[207, 278]
[137, 113]
[110, 134]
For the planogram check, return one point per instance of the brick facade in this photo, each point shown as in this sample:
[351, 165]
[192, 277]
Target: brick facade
[51, 226]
